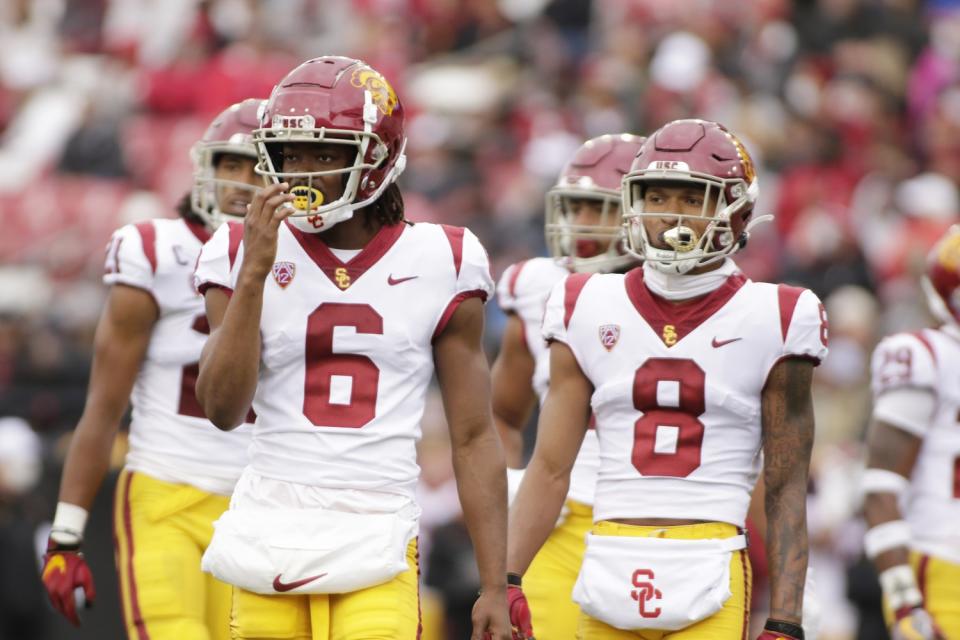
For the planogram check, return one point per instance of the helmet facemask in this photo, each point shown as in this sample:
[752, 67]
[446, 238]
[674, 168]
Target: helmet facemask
[695, 240]
[205, 194]
[585, 248]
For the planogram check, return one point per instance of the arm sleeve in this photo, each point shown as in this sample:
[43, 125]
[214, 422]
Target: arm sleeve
[807, 335]
[128, 258]
[902, 361]
[214, 268]
[554, 327]
[908, 409]
[474, 273]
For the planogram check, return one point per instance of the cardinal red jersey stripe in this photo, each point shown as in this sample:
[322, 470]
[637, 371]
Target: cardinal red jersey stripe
[236, 237]
[571, 291]
[148, 238]
[514, 276]
[455, 238]
[787, 297]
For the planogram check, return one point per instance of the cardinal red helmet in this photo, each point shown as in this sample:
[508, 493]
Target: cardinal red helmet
[230, 132]
[594, 173]
[941, 282]
[334, 100]
[706, 154]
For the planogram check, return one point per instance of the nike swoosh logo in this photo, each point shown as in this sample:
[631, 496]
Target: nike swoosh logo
[283, 587]
[719, 343]
[392, 281]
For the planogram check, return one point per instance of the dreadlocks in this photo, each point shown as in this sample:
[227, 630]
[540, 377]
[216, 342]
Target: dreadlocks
[386, 210]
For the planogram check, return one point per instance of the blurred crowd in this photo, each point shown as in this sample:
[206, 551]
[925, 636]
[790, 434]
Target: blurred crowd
[851, 109]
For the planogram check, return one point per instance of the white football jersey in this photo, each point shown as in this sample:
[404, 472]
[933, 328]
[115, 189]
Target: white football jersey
[169, 437]
[929, 359]
[677, 389]
[523, 289]
[347, 348]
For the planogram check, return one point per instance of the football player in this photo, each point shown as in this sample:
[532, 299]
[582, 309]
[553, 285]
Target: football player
[331, 313]
[912, 481]
[180, 470]
[691, 371]
[584, 235]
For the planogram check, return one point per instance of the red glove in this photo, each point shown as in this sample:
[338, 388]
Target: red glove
[519, 614]
[780, 630]
[64, 571]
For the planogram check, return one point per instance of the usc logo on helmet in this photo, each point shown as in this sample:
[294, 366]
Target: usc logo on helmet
[749, 172]
[949, 254]
[380, 90]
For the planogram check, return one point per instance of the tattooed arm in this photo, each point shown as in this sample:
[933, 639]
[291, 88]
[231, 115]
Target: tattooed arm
[787, 420]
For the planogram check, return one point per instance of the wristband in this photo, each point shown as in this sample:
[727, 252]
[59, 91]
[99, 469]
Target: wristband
[884, 481]
[787, 628]
[886, 536]
[900, 587]
[514, 580]
[69, 521]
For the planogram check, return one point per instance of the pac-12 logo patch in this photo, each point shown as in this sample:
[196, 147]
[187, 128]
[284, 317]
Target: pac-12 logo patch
[609, 335]
[283, 273]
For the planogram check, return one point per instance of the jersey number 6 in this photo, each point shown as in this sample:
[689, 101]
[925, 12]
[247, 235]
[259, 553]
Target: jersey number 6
[355, 377]
[668, 437]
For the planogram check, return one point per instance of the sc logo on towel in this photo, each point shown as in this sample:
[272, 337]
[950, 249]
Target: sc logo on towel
[645, 593]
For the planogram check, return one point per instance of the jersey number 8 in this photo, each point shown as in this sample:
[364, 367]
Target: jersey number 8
[668, 438]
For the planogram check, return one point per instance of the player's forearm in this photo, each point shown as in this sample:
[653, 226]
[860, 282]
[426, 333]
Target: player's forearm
[534, 514]
[482, 485]
[230, 363]
[512, 439]
[785, 507]
[879, 508]
[88, 458]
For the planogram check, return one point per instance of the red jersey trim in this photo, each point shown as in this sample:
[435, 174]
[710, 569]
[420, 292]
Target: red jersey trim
[206, 286]
[321, 255]
[148, 238]
[684, 316]
[455, 238]
[235, 237]
[116, 257]
[452, 306]
[919, 335]
[787, 298]
[200, 231]
[514, 276]
[572, 287]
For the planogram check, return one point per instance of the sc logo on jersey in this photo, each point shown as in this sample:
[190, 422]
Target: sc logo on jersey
[645, 593]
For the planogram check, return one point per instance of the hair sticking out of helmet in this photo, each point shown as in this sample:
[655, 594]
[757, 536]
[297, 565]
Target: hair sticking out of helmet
[231, 133]
[941, 282]
[703, 156]
[333, 100]
[583, 219]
